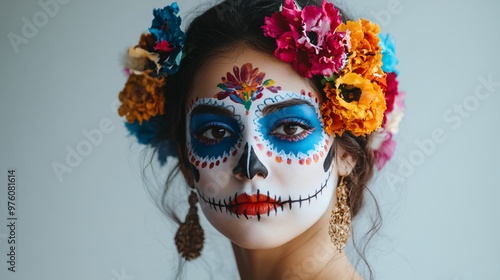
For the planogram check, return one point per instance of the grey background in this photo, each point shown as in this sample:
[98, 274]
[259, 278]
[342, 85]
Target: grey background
[441, 217]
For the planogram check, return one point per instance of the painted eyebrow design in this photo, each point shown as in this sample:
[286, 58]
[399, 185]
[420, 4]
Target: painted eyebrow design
[206, 109]
[279, 106]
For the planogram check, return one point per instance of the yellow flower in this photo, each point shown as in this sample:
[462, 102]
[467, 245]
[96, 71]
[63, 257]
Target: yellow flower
[355, 104]
[142, 97]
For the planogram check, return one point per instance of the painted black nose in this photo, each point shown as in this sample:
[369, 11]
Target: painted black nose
[249, 164]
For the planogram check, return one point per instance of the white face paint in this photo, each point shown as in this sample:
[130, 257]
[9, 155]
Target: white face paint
[262, 162]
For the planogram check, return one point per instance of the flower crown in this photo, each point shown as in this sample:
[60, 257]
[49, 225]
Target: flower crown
[357, 66]
[149, 65]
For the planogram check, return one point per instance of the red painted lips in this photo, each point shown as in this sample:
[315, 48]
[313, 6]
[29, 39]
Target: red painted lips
[253, 205]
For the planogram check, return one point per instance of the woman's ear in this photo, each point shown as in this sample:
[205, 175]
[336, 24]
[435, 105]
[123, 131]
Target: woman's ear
[345, 162]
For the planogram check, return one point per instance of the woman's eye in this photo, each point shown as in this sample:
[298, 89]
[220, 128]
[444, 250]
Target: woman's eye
[216, 133]
[288, 129]
[292, 130]
[213, 134]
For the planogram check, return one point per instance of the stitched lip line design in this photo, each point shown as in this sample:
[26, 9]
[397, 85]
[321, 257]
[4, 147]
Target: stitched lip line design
[231, 205]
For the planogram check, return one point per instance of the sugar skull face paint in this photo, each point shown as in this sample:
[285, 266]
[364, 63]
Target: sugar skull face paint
[291, 127]
[262, 162]
[214, 133]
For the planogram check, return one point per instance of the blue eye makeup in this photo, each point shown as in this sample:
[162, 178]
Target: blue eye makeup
[213, 135]
[294, 129]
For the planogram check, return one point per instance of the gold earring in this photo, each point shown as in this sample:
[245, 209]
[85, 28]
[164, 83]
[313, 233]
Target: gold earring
[189, 237]
[340, 221]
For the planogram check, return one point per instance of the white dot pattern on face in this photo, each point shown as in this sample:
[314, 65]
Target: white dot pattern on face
[315, 151]
[210, 159]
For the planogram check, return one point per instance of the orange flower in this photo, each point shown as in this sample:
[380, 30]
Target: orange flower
[142, 97]
[332, 121]
[365, 54]
[355, 104]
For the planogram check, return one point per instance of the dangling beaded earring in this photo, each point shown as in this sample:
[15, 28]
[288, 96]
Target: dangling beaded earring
[189, 237]
[340, 221]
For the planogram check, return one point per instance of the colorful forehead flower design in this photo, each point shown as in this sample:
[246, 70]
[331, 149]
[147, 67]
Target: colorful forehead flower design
[245, 85]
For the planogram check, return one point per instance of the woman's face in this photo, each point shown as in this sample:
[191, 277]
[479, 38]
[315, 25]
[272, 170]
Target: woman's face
[262, 163]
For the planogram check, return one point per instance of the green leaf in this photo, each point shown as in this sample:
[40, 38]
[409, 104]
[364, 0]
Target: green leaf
[331, 79]
[222, 86]
[268, 82]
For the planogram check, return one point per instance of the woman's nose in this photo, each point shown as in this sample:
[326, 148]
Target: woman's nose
[249, 164]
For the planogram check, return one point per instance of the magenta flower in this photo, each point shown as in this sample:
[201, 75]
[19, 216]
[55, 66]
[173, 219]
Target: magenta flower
[163, 46]
[391, 92]
[385, 152]
[308, 38]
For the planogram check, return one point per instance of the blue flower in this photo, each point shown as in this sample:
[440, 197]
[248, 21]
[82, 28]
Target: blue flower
[164, 149]
[166, 27]
[389, 59]
[147, 134]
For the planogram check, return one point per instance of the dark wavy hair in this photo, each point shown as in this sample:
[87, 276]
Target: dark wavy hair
[234, 24]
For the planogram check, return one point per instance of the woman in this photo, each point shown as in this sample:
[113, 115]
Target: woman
[277, 116]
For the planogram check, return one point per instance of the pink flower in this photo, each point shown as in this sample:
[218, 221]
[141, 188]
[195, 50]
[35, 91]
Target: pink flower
[400, 100]
[391, 91]
[333, 57]
[163, 46]
[315, 26]
[393, 118]
[286, 50]
[381, 140]
[292, 14]
[385, 152]
[307, 38]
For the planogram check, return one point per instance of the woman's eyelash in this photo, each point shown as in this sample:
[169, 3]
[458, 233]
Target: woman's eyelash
[305, 128]
[209, 128]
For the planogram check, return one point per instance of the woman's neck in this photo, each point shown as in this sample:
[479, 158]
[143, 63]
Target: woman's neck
[309, 256]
